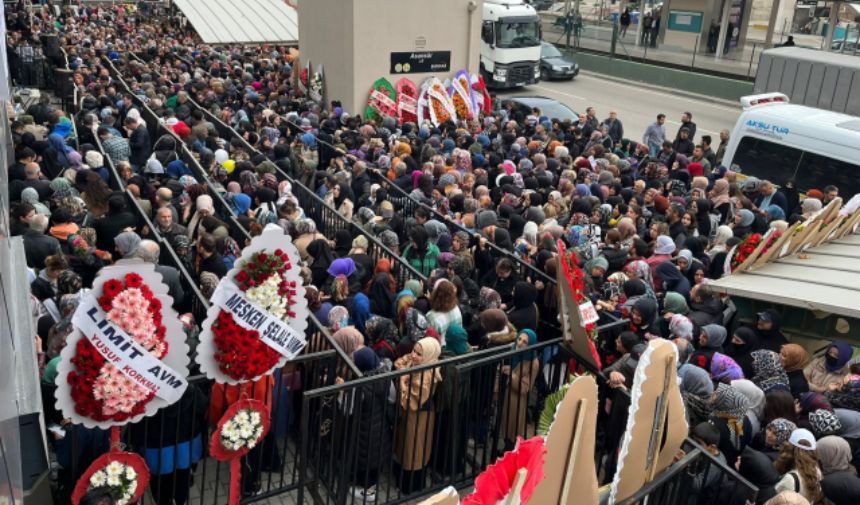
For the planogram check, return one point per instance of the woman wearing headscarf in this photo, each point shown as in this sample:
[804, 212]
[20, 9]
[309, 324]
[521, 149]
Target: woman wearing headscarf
[521, 375]
[415, 428]
[807, 404]
[360, 311]
[340, 198]
[57, 157]
[451, 438]
[798, 463]
[744, 340]
[794, 358]
[363, 261]
[383, 337]
[444, 310]
[342, 243]
[673, 279]
[371, 434]
[524, 313]
[768, 324]
[639, 270]
[643, 319]
[381, 295]
[829, 371]
[724, 369]
[723, 234]
[421, 254]
[320, 251]
[767, 371]
[497, 330]
[720, 200]
[344, 267]
[755, 399]
[711, 340]
[349, 339]
[204, 207]
[840, 484]
[729, 415]
[776, 434]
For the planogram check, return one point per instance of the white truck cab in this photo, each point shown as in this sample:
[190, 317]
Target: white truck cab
[780, 141]
[510, 44]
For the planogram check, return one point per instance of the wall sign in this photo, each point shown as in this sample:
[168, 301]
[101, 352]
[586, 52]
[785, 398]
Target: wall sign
[685, 21]
[417, 62]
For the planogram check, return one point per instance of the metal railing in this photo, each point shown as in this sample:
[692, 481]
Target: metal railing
[328, 219]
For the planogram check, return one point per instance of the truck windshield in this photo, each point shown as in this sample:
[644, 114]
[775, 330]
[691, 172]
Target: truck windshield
[510, 34]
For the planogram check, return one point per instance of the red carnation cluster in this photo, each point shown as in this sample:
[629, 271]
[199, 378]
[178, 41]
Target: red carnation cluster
[239, 352]
[88, 362]
[749, 245]
[576, 282]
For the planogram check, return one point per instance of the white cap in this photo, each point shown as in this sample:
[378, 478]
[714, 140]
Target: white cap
[802, 439]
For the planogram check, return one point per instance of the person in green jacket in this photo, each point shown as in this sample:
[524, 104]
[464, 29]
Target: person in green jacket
[422, 254]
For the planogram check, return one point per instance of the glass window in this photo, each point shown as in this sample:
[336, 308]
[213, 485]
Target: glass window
[767, 160]
[817, 171]
[517, 34]
[777, 163]
[549, 51]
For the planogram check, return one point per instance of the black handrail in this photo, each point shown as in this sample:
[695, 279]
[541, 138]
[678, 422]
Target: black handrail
[194, 165]
[309, 199]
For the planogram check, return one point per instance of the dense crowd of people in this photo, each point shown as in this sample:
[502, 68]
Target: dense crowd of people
[475, 207]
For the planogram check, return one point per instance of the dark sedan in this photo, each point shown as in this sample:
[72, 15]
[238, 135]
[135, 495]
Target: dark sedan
[548, 107]
[554, 65]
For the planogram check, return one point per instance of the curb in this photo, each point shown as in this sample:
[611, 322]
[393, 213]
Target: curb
[653, 87]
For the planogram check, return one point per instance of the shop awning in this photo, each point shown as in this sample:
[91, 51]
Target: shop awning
[245, 22]
[824, 278]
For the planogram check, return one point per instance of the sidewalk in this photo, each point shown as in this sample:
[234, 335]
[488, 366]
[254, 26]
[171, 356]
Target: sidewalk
[741, 62]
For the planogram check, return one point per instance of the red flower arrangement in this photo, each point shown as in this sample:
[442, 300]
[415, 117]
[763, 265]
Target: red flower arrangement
[576, 283]
[99, 390]
[749, 245]
[495, 483]
[239, 352]
[407, 103]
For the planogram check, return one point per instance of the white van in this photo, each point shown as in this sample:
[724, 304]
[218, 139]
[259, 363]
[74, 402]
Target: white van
[778, 141]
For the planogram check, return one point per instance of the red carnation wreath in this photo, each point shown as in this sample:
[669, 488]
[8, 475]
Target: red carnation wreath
[99, 389]
[266, 274]
[743, 250]
[125, 473]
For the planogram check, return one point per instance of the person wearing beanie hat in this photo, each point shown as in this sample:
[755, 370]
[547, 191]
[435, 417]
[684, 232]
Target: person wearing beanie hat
[486, 218]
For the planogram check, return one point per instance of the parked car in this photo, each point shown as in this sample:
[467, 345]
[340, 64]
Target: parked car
[554, 65]
[548, 107]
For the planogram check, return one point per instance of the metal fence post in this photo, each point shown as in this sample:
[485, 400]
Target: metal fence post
[695, 49]
[749, 70]
[614, 40]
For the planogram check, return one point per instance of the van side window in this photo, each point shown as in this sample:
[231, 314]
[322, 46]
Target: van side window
[816, 171]
[767, 160]
[777, 163]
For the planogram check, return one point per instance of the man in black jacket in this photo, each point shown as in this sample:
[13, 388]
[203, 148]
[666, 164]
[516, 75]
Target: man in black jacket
[113, 223]
[37, 245]
[687, 122]
[138, 141]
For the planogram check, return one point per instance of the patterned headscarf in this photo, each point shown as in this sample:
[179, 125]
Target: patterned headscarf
[767, 369]
[489, 298]
[782, 428]
[416, 325]
[724, 367]
[681, 327]
[824, 423]
[336, 317]
[380, 330]
[731, 405]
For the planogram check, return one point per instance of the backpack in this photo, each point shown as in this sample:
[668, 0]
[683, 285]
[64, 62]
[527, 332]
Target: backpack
[715, 223]
[267, 213]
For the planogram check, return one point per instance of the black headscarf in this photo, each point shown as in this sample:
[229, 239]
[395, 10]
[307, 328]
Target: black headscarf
[418, 235]
[321, 253]
[342, 243]
[381, 297]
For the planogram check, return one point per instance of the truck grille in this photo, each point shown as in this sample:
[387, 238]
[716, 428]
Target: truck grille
[521, 73]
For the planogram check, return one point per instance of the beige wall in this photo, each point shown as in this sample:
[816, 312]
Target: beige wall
[354, 40]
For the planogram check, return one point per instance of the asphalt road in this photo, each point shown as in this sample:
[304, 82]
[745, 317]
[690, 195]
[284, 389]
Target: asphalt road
[637, 107]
